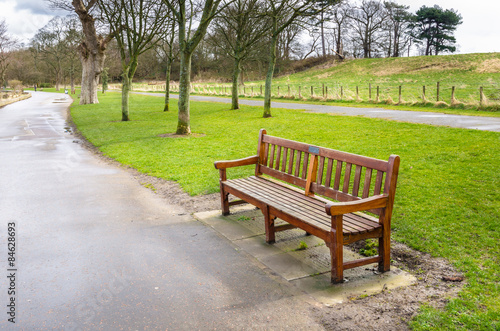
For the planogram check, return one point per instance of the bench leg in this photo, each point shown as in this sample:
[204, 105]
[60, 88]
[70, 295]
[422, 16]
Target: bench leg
[384, 251]
[269, 221]
[224, 202]
[384, 243]
[337, 249]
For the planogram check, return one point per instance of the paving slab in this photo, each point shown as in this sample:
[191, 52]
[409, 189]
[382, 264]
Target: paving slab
[307, 269]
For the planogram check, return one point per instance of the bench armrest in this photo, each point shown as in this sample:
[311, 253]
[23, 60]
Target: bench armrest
[340, 208]
[236, 163]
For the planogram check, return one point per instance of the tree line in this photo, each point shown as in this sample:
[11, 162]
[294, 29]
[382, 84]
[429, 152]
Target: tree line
[235, 36]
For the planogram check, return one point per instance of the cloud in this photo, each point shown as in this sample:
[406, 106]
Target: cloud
[38, 7]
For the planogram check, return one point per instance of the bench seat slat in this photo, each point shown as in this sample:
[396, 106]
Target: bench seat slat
[352, 222]
[287, 209]
[316, 201]
[299, 205]
[307, 209]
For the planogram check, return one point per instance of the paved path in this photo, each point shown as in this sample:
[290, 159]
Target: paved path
[433, 118]
[97, 251]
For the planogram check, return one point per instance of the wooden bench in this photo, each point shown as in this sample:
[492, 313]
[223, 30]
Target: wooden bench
[359, 183]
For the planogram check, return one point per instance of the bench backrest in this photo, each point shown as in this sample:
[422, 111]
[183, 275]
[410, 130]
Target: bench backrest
[334, 174]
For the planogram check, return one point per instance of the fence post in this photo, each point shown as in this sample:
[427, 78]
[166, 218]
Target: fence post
[312, 91]
[252, 91]
[424, 100]
[357, 93]
[300, 94]
[453, 95]
[378, 94]
[481, 97]
[326, 92]
[400, 99]
[323, 90]
[437, 91]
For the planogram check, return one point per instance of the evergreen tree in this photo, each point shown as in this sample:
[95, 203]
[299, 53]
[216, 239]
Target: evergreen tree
[434, 27]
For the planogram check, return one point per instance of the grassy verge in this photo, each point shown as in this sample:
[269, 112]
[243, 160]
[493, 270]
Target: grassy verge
[429, 107]
[448, 201]
[349, 82]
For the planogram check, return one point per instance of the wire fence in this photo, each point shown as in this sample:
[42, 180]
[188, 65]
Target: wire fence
[439, 95]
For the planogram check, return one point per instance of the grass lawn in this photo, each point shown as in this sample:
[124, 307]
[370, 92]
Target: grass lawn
[465, 72]
[425, 108]
[448, 197]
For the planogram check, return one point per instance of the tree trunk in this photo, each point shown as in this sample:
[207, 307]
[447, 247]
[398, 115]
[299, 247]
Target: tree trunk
[72, 80]
[323, 33]
[92, 67]
[236, 79]
[397, 38]
[167, 85]
[126, 84]
[183, 125]
[340, 51]
[91, 52]
[58, 78]
[269, 77]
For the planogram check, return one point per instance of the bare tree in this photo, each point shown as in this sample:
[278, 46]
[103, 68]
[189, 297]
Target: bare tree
[50, 42]
[73, 38]
[281, 13]
[366, 21]
[7, 45]
[136, 25]
[398, 28]
[340, 19]
[324, 9]
[288, 45]
[168, 51]
[188, 41]
[239, 27]
[92, 48]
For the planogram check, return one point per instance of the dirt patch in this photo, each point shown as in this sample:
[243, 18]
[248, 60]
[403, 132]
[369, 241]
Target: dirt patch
[387, 71]
[489, 66]
[175, 135]
[437, 280]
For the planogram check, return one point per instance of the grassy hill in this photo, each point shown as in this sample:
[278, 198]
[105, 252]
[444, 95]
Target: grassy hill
[467, 73]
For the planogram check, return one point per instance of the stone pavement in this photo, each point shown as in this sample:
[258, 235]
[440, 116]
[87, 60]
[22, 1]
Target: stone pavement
[307, 269]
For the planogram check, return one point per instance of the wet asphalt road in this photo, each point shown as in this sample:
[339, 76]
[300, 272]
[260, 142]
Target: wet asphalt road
[432, 118]
[97, 251]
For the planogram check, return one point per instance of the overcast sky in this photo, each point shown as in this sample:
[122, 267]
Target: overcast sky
[480, 32]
